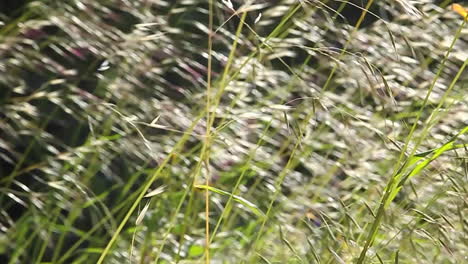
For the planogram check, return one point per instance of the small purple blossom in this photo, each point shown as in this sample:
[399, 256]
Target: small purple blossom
[80, 52]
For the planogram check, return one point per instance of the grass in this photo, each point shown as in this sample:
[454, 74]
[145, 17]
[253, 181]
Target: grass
[210, 131]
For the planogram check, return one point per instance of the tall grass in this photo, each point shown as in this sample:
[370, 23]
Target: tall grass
[233, 132]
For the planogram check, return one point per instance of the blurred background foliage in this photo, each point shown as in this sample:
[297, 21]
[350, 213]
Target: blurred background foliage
[94, 95]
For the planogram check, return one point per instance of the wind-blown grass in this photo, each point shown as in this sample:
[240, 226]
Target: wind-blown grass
[233, 132]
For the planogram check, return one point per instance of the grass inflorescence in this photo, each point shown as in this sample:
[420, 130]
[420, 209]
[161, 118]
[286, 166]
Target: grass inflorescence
[231, 131]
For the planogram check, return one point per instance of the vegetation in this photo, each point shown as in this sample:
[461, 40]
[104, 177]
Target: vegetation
[286, 131]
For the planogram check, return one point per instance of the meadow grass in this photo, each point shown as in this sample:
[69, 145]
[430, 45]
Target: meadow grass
[220, 132]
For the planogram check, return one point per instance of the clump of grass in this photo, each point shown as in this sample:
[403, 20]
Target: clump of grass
[232, 131]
